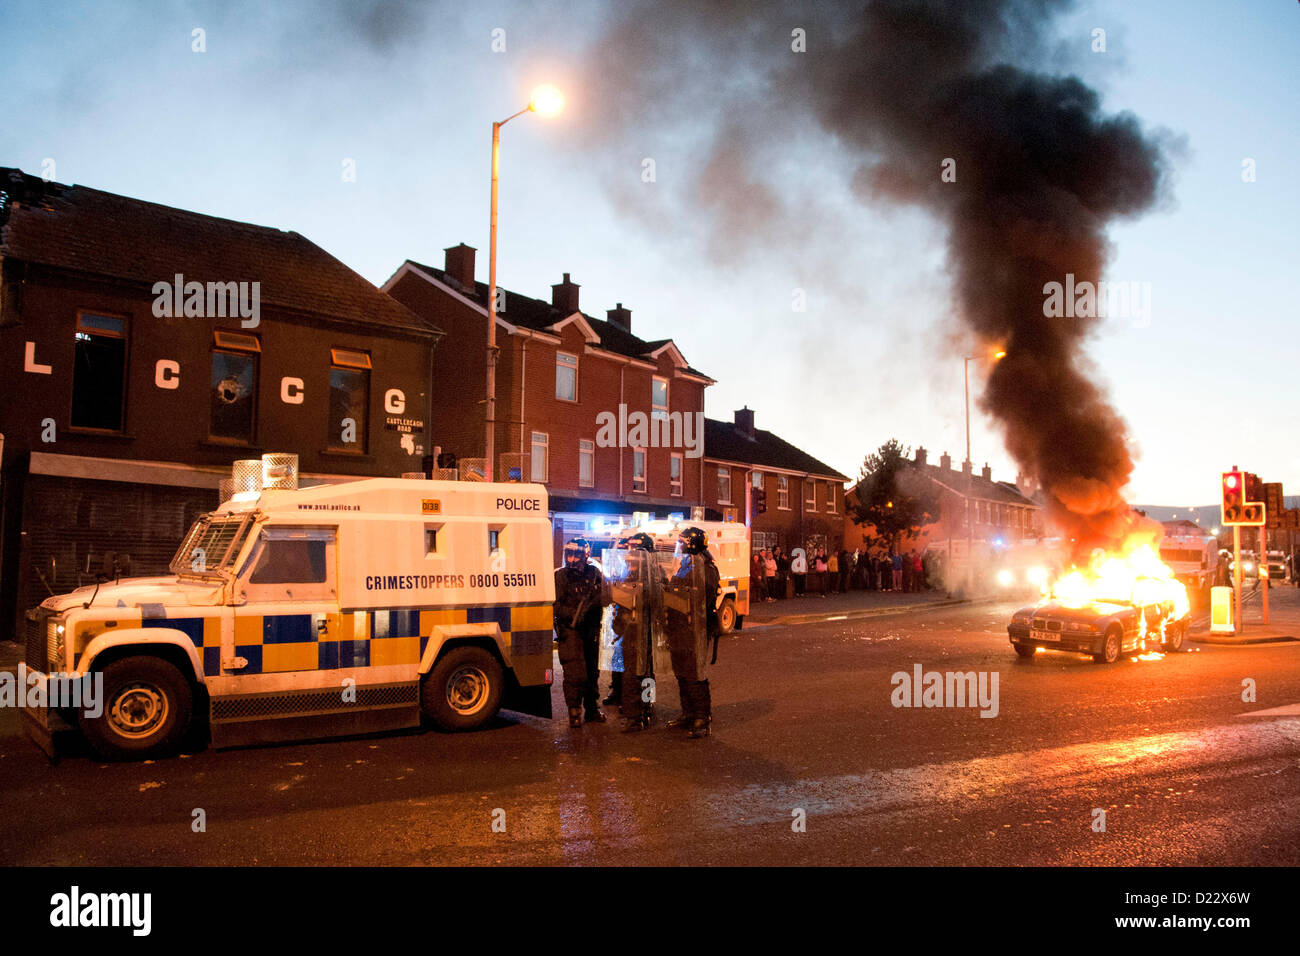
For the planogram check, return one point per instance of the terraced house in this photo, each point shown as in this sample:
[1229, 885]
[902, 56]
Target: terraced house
[571, 391]
[145, 348]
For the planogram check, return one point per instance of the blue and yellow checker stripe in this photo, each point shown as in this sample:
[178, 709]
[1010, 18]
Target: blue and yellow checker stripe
[375, 638]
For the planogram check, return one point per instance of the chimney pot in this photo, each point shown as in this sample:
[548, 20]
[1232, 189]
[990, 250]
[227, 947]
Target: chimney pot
[621, 317]
[459, 265]
[986, 473]
[945, 461]
[920, 455]
[564, 296]
[745, 421]
[966, 467]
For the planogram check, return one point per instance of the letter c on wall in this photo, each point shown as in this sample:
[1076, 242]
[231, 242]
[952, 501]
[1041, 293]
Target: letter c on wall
[167, 374]
[394, 401]
[291, 391]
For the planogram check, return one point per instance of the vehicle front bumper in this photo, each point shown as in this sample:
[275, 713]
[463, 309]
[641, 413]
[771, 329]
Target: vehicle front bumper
[1079, 642]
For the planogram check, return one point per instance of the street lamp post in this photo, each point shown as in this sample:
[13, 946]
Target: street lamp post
[546, 101]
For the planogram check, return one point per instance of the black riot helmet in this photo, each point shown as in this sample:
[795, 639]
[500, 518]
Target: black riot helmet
[694, 541]
[575, 554]
[638, 541]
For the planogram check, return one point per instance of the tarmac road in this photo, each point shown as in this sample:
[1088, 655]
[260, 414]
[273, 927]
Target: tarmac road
[803, 722]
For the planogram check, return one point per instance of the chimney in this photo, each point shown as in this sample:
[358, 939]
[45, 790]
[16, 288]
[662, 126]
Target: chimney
[920, 455]
[965, 467]
[945, 461]
[621, 317]
[986, 473]
[565, 296]
[745, 421]
[459, 265]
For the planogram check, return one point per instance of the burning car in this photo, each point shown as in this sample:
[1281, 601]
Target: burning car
[1117, 605]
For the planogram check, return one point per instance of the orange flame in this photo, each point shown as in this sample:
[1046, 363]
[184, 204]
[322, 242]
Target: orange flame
[1133, 575]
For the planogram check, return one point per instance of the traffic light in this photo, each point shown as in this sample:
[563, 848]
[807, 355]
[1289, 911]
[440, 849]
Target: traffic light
[760, 501]
[1242, 499]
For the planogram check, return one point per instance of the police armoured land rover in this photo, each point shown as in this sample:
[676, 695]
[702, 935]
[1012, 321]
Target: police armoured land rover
[343, 608]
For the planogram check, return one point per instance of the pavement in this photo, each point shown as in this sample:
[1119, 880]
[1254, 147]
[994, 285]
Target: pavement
[1283, 619]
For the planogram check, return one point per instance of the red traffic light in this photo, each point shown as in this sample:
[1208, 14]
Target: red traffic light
[1231, 481]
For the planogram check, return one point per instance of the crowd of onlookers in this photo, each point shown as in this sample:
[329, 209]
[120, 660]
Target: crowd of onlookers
[776, 574]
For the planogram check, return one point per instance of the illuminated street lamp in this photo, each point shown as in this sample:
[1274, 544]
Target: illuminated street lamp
[545, 101]
[966, 374]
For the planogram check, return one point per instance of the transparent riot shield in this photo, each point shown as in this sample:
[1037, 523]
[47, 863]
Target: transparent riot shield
[686, 617]
[626, 615]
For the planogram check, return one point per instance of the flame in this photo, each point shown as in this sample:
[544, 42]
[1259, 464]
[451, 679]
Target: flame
[1134, 574]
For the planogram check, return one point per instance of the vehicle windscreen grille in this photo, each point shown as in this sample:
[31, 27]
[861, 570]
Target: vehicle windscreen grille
[208, 545]
[37, 655]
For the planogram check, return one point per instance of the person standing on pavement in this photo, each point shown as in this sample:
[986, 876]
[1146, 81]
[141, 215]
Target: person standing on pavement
[769, 575]
[830, 571]
[690, 600]
[579, 597]
[896, 569]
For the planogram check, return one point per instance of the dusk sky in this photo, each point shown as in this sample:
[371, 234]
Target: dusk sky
[752, 198]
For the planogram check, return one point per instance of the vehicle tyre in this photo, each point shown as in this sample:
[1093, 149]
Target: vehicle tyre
[1025, 650]
[727, 615]
[1177, 635]
[147, 704]
[463, 691]
[1110, 650]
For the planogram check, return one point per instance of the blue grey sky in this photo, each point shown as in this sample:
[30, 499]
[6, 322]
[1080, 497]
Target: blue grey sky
[258, 128]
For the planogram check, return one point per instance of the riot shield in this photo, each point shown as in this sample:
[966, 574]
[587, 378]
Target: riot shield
[686, 617]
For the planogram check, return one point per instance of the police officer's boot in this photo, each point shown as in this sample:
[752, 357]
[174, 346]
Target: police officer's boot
[615, 689]
[684, 694]
[575, 716]
[703, 710]
[594, 714]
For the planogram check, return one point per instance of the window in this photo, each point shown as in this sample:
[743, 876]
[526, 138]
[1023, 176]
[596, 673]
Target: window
[659, 397]
[349, 399]
[756, 479]
[783, 492]
[233, 398]
[724, 486]
[675, 474]
[810, 496]
[586, 464]
[290, 564]
[830, 497]
[566, 377]
[99, 372]
[290, 561]
[430, 540]
[541, 458]
[638, 469]
[494, 539]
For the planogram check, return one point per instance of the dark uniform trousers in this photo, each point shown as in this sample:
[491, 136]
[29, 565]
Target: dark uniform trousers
[694, 693]
[573, 660]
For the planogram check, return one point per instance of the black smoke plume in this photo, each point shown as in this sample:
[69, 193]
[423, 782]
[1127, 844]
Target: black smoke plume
[901, 86]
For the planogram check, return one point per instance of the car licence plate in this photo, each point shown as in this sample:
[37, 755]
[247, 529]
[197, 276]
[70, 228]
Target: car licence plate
[1037, 635]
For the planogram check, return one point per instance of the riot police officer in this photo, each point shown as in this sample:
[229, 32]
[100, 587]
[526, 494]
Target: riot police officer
[691, 597]
[638, 606]
[579, 597]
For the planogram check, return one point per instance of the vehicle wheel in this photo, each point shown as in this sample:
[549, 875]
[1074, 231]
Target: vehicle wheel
[1174, 643]
[1110, 650]
[1025, 650]
[727, 616]
[463, 691]
[146, 709]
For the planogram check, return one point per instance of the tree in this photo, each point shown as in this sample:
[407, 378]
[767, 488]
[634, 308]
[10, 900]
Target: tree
[893, 496]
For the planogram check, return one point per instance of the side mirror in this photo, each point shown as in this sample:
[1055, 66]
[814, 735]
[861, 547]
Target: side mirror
[107, 564]
[123, 564]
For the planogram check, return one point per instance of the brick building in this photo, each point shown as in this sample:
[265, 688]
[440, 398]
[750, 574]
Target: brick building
[804, 497]
[569, 390]
[118, 419]
[975, 508]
